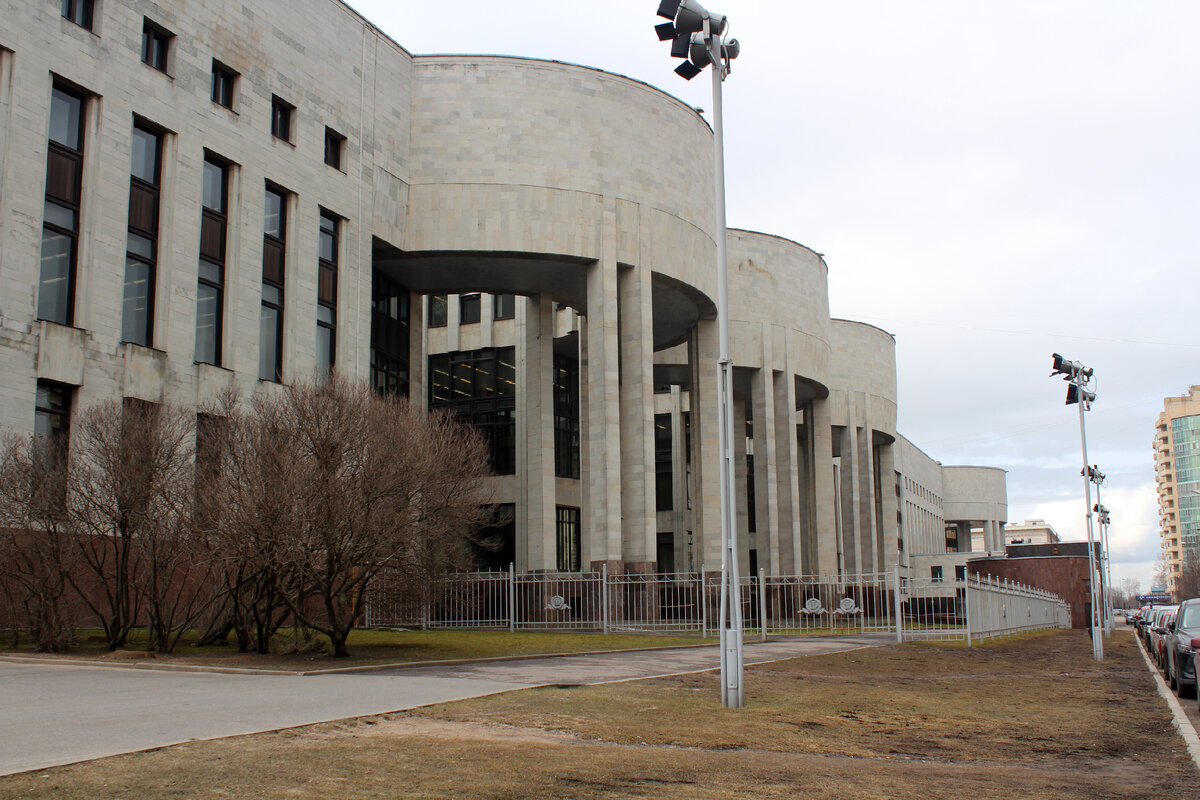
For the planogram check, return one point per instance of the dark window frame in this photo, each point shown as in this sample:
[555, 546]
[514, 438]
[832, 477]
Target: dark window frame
[61, 157]
[78, 11]
[568, 539]
[566, 417]
[479, 388]
[438, 302]
[143, 193]
[223, 88]
[390, 317]
[276, 244]
[335, 148]
[214, 224]
[504, 306]
[283, 116]
[156, 46]
[327, 275]
[470, 308]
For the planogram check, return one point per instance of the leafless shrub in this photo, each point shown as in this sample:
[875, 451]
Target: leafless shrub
[36, 554]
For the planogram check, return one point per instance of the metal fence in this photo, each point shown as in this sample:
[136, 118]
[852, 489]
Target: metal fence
[777, 605]
[973, 609]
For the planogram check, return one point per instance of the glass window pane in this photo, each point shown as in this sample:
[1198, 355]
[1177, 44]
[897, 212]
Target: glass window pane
[145, 156]
[135, 311]
[273, 218]
[208, 310]
[328, 244]
[506, 372]
[66, 113]
[437, 311]
[272, 294]
[211, 272]
[214, 187]
[60, 216]
[140, 246]
[269, 340]
[54, 286]
[325, 314]
[462, 384]
[324, 349]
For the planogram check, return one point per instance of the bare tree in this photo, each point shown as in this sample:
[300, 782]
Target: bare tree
[370, 482]
[130, 493]
[36, 554]
[1187, 581]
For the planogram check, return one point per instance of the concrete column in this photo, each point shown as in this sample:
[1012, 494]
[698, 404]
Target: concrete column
[679, 484]
[889, 554]
[786, 452]
[535, 435]
[766, 486]
[869, 556]
[639, 521]
[418, 387]
[825, 536]
[602, 488]
[703, 349]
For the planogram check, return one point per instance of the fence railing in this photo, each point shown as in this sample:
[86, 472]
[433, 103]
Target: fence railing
[777, 605]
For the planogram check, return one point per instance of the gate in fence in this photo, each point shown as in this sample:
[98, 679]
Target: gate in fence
[779, 605]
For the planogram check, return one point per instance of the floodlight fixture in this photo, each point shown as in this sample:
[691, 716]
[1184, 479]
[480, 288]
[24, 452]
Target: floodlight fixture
[1077, 394]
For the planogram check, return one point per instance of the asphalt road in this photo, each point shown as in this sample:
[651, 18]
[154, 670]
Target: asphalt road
[55, 713]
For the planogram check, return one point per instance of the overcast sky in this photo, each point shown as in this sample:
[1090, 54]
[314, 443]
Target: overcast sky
[989, 182]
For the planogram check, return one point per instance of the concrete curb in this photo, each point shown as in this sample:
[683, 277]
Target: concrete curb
[450, 662]
[1178, 717]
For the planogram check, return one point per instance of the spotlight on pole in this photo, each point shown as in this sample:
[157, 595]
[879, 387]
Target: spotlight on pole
[697, 35]
[1078, 377]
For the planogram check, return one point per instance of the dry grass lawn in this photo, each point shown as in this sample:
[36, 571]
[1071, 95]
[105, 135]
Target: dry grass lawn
[1029, 717]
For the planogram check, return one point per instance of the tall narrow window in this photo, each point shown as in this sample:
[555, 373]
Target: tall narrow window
[566, 417]
[334, 143]
[327, 276]
[389, 335]
[437, 310]
[141, 249]
[270, 340]
[52, 417]
[60, 227]
[281, 118]
[468, 308]
[79, 12]
[223, 80]
[211, 285]
[52, 428]
[156, 44]
[479, 388]
[504, 306]
[568, 545]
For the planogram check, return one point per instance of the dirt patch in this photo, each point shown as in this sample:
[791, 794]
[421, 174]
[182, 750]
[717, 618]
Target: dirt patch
[1026, 718]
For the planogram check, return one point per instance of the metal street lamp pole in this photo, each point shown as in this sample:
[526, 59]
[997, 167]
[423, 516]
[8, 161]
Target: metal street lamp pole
[1097, 643]
[732, 657]
[1106, 557]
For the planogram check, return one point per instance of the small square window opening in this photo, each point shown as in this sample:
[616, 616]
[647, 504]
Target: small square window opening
[281, 118]
[334, 145]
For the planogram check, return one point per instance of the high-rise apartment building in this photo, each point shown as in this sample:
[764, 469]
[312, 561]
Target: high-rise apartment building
[1177, 475]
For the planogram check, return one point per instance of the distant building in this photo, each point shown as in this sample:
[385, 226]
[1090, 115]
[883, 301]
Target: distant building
[1031, 531]
[1177, 475]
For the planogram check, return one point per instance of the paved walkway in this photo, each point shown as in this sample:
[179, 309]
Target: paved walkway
[60, 713]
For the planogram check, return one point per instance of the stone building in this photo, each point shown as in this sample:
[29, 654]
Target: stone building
[195, 196]
[1177, 478]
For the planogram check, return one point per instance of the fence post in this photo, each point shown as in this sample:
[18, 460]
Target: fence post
[604, 595]
[762, 603]
[703, 604]
[967, 605]
[512, 598]
[899, 611]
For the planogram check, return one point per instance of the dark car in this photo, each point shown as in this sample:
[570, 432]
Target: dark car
[1180, 656]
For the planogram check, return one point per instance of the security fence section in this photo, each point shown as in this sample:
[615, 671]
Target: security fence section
[776, 605]
[973, 609]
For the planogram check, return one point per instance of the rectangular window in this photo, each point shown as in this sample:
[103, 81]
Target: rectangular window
[494, 545]
[568, 545]
[334, 144]
[141, 249]
[479, 388]
[60, 228]
[389, 335]
[327, 277]
[211, 274]
[223, 81]
[270, 340]
[664, 477]
[52, 439]
[52, 419]
[566, 417]
[79, 12]
[504, 306]
[437, 310]
[935, 574]
[281, 118]
[156, 44]
[468, 308]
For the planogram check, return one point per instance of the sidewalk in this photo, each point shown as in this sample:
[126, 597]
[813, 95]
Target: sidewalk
[58, 713]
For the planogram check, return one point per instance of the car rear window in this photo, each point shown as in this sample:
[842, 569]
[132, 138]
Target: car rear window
[1191, 617]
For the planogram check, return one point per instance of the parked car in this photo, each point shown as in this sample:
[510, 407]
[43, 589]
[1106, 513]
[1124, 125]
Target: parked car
[1157, 627]
[1143, 619]
[1180, 655]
